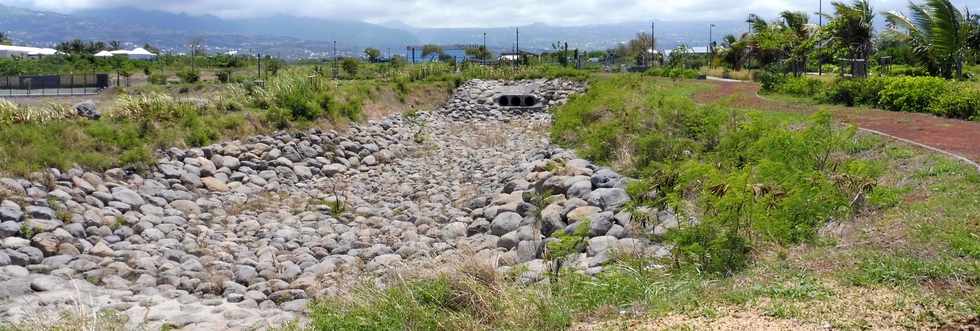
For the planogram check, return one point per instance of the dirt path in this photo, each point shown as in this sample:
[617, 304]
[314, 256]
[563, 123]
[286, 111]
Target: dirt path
[955, 137]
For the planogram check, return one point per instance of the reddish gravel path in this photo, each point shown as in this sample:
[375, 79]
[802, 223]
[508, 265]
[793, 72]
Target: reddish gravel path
[956, 137]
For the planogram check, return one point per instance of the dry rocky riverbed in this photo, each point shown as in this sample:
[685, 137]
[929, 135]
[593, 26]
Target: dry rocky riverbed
[241, 235]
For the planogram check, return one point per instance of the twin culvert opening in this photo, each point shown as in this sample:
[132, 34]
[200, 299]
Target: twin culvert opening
[517, 101]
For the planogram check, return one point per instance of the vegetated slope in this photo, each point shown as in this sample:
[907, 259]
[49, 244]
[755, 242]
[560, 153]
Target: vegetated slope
[824, 215]
[889, 243]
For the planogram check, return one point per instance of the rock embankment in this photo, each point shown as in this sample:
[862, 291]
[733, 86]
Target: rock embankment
[241, 235]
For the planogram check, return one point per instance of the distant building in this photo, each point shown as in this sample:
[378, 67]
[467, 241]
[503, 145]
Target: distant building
[457, 52]
[512, 56]
[136, 54]
[23, 51]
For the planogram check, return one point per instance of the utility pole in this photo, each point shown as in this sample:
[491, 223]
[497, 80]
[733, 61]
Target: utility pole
[820, 60]
[517, 46]
[336, 71]
[485, 51]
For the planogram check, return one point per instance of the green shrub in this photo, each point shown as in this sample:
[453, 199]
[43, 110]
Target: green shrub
[914, 71]
[770, 80]
[278, 118]
[674, 73]
[158, 78]
[800, 86]
[225, 75]
[189, 75]
[959, 102]
[912, 94]
[853, 92]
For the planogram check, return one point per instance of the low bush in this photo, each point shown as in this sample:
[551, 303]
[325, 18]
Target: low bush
[157, 78]
[769, 80]
[800, 86]
[960, 102]
[908, 94]
[911, 94]
[674, 73]
[189, 75]
[853, 92]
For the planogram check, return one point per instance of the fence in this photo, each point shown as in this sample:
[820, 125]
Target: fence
[53, 85]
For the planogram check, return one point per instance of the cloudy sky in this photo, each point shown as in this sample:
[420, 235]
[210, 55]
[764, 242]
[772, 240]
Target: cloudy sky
[472, 13]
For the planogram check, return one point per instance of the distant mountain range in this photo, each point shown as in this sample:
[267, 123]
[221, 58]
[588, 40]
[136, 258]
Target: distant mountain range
[299, 37]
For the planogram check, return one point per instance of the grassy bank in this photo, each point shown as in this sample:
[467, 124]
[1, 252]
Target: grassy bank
[140, 121]
[803, 224]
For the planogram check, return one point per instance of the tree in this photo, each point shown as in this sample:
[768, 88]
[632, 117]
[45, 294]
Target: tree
[734, 51]
[478, 53]
[768, 43]
[939, 33]
[350, 66]
[637, 48]
[373, 54]
[850, 31]
[115, 44]
[800, 41]
[432, 49]
[4, 39]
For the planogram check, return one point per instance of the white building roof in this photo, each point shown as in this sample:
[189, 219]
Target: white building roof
[28, 50]
[140, 51]
[103, 54]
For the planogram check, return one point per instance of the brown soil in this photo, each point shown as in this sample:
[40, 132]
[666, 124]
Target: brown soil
[950, 135]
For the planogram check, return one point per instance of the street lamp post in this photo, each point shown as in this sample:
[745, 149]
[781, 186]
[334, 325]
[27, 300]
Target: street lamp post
[711, 48]
[484, 53]
[653, 41]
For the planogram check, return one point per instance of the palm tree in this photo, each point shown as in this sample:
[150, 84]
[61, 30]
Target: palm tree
[734, 51]
[850, 29]
[4, 39]
[939, 34]
[797, 23]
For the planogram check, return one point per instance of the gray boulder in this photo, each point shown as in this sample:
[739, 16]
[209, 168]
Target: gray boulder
[610, 199]
[87, 109]
[504, 223]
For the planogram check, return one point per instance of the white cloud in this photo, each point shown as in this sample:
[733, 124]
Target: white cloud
[469, 13]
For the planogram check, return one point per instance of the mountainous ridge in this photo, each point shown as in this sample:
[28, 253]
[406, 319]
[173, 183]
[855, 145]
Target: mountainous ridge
[302, 37]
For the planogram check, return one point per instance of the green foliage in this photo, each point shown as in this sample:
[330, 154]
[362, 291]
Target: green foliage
[567, 244]
[158, 78]
[957, 102]
[350, 66]
[911, 94]
[674, 73]
[902, 269]
[373, 54]
[770, 80]
[801, 86]
[743, 174]
[189, 75]
[853, 92]
[224, 75]
[279, 118]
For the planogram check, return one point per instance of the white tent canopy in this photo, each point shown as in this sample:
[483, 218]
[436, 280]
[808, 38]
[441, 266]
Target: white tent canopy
[136, 54]
[103, 54]
[6, 51]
